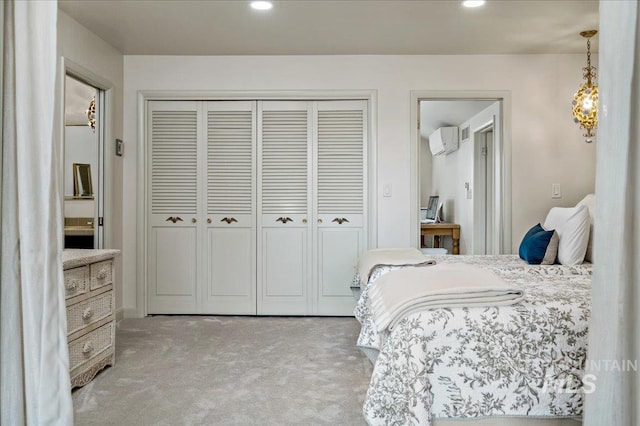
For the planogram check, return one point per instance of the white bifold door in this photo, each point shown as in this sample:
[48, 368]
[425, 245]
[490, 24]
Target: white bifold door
[201, 228]
[255, 207]
[311, 198]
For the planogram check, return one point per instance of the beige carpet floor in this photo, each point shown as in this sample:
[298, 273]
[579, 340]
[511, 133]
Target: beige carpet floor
[203, 370]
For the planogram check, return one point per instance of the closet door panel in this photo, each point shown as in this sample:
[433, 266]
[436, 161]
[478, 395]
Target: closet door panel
[285, 267]
[284, 200]
[337, 248]
[229, 264]
[172, 279]
[340, 198]
[230, 252]
[172, 206]
[284, 157]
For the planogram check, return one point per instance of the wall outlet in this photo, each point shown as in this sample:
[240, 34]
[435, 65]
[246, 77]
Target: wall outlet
[556, 190]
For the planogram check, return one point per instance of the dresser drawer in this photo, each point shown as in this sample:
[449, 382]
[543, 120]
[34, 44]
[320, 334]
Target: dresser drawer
[76, 281]
[91, 345]
[89, 312]
[101, 274]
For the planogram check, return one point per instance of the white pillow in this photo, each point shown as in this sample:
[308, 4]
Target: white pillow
[590, 202]
[572, 225]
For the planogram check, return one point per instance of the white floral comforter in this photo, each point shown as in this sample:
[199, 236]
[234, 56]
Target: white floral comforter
[467, 363]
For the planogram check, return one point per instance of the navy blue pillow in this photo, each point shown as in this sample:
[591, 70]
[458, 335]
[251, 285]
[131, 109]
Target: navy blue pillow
[539, 247]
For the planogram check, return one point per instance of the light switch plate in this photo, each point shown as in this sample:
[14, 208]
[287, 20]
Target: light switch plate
[386, 190]
[556, 190]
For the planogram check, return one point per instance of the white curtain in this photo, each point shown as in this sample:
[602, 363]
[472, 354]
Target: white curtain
[614, 330]
[34, 370]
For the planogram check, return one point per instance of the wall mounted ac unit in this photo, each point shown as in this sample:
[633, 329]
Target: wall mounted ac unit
[444, 140]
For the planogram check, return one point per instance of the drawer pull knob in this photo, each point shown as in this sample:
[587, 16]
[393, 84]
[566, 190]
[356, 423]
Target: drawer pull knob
[340, 220]
[72, 285]
[174, 219]
[194, 220]
[87, 348]
[209, 220]
[88, 313]
[102, 274]
[284, 219]
[229, 220]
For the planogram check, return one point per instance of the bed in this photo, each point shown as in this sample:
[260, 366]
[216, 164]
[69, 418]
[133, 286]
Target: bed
[500, 364]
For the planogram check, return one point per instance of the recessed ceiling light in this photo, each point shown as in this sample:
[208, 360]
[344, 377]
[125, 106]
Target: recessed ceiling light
[261, 5]
[473, 3]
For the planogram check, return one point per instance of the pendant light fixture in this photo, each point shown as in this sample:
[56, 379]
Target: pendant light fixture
[585, 101]
[91, 114]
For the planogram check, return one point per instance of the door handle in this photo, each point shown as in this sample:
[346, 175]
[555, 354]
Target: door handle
[284, 219]
[229, 220]
[174, 219]
[340, 220]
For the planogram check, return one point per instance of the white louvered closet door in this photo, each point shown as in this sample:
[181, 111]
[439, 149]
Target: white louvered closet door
[284, 203]
[172, 205]
[230, 249]
[340, 152]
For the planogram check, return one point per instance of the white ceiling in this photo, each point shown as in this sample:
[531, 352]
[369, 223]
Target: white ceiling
[435, 114]
[77, 98]
[322, 27]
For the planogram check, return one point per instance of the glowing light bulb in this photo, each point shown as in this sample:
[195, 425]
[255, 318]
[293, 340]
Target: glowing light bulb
[261, 5]
[473, 3]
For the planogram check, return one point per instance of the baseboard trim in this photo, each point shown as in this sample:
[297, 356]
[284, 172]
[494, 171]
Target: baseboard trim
[119, 314]
[130, 313]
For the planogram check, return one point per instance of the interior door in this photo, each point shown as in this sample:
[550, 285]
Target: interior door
[340, 197]
[172, 206]
[284, 203]
[230, 247]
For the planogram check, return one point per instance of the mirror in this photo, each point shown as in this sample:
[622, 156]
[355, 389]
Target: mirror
[467, 177]
[82, 168]
[82, 185]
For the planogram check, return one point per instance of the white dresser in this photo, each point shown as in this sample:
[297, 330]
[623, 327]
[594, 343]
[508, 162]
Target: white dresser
[88, 281]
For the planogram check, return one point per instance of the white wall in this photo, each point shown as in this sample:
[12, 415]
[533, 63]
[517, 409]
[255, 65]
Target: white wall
[78, 44]
[546, 146]
[79, 208]
[80, 146]
[425, 167]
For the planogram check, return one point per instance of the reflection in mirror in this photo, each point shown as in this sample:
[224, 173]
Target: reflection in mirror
[82, 165]
[82, 185]
[465, 177]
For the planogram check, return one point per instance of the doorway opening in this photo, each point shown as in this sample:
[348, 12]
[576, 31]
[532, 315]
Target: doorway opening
[484, 207]
[83, 165]
[468, 171]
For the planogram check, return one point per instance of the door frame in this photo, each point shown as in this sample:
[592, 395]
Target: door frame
[504, 173]
[106, 152]
[145, 96]
[483, 156]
